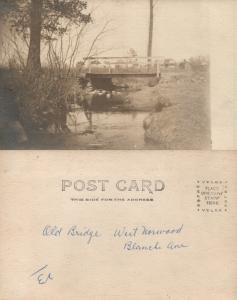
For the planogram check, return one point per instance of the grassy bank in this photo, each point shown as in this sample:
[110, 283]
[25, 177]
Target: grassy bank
[186, 123]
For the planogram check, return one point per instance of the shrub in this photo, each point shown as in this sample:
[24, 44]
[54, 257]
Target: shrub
[43, 101]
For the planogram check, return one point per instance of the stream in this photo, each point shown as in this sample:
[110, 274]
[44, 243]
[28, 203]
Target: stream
[107, 130]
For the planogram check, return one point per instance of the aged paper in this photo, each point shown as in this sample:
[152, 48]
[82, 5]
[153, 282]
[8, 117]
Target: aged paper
[118, 225]
[223, 49]
[112, 225]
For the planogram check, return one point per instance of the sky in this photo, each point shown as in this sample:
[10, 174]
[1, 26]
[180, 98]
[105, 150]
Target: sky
[180, 27]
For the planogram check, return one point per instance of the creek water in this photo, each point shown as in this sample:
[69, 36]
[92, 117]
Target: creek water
[106, 130]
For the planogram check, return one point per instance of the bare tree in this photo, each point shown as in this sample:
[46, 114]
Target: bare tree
[98, 37]
[150, 38]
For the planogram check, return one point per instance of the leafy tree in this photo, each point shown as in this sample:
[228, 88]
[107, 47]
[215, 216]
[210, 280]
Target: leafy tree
[37, 20]
[132, 52]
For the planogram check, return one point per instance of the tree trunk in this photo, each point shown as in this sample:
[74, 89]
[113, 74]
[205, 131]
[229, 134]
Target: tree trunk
[150, 40]
[33, 60]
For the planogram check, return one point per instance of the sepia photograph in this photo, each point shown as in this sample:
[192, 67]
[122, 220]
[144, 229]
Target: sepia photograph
[104, 75]
[118, 131]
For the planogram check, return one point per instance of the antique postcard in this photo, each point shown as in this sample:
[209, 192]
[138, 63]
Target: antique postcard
[138, 96]
[117, 74]
[121, 226]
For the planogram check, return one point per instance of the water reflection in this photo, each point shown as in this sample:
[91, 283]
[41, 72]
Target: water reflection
[105, 130]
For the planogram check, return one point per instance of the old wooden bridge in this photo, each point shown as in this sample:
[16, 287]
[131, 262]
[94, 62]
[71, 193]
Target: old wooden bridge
[110, 67]
[101, 70]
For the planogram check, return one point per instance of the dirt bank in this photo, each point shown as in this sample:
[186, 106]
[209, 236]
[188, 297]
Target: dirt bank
[186, 123]
[145, 100]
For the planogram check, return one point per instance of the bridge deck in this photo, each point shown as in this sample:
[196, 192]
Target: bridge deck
[109, 67]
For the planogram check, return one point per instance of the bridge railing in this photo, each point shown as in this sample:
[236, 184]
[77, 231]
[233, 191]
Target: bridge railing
[121, 65]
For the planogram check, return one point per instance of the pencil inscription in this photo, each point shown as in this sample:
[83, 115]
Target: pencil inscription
[42, 276]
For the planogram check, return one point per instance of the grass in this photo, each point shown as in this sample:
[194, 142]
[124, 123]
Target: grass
[186, 123]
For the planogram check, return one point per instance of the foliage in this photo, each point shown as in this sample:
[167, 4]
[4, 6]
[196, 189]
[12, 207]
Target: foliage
[57, 16]
[199, 63]
[43, 99]
[43, 102]
[6, 6]
[132, 52]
